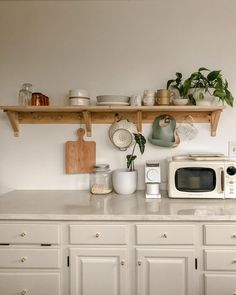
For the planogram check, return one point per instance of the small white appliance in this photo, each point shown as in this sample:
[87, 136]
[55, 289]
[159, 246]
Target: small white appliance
[152, 179]
[202, 176]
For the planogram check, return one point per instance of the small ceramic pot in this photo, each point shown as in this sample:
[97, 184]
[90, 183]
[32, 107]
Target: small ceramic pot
[124, 181]
[180, 101]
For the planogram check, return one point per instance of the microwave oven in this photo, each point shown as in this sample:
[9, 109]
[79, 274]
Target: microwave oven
[201, 177]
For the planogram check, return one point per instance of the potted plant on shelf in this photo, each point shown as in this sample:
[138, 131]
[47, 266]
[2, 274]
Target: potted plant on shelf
[207, 85]
[181, 89]
[125, 180]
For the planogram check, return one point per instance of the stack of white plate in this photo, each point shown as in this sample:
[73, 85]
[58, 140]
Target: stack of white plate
[79, 97]
[113, 100]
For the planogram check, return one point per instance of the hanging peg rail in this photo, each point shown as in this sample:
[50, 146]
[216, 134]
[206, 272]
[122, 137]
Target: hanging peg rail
[93, 114]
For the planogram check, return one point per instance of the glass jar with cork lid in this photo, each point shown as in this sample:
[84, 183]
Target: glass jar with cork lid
[100, 180]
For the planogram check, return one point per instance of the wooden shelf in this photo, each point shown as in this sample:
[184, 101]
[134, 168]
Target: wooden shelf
[93, 114]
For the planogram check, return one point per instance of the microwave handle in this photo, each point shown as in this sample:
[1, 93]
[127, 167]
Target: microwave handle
[222, 180]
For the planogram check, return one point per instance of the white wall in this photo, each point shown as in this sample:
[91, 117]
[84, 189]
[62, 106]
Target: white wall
[107, 47]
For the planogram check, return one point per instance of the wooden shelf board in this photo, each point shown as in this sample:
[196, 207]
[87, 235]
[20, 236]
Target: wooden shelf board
[107, 115]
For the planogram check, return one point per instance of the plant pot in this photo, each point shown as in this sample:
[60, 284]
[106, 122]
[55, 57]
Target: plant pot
[204, 102]
[124, 181]
[202, 97]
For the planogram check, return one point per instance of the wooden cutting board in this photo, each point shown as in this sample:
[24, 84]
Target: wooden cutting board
[80, 155]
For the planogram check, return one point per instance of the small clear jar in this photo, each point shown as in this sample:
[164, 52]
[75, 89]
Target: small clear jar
[25, 94]
[100, 180]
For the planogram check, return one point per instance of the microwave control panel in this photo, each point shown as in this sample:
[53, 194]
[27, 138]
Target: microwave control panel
[230, 180]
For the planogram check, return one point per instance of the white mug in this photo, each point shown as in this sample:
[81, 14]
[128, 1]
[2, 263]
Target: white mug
[136, 100]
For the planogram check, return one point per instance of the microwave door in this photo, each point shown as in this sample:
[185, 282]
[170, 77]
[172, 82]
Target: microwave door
[199, 182]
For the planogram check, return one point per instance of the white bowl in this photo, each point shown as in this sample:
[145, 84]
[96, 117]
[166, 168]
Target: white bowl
[78, 93]
[180, 101]
[78, 101]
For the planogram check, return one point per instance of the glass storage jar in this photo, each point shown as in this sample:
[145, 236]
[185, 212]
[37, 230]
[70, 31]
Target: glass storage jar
[100, 180]
[25, 94]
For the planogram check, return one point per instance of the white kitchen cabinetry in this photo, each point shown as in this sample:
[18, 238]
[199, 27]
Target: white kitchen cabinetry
[220, 259]
[103, 268]
[165, 272]
[117, 258]
[30, 259]
[98, 271]
[168, 266]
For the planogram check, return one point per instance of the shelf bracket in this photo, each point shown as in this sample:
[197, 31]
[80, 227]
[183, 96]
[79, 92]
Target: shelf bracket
[139, 121]
[215, 116]
[88, 123]
[14, 120]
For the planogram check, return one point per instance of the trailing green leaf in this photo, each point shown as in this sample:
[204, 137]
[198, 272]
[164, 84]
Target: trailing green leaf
[140, 141]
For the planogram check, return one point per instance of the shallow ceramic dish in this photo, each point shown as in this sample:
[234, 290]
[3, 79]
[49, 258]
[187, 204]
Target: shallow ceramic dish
[112, 103]
[113, 98]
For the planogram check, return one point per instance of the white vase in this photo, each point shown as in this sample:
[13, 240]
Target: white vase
[124, 181]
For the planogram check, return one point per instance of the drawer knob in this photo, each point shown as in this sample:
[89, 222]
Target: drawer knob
[23, 292]
[139, 263]
[97, 235]
[164, 236]
[122, 262]
[234, 237]
[23, 259]
[23, 234]
[234, 261]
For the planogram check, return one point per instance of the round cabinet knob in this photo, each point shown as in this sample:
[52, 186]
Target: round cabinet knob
[234, 236]
[234, 261]
[97, 235]
[23, 259]
[164, 236]
[139, 263]
[23, 292]
[231, 170]
[122, 262]
[23, 234]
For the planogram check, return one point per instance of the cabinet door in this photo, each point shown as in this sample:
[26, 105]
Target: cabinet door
[165, 272]
[98, 271]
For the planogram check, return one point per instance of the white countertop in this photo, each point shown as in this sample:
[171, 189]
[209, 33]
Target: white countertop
[81, 205]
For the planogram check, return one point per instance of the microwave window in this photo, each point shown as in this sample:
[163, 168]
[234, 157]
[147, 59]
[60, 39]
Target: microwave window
[195, 179]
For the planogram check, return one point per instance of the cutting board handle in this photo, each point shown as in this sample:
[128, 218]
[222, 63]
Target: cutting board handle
[81, 133]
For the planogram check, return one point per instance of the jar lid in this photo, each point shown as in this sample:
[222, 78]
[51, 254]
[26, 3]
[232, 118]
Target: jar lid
[101, 167]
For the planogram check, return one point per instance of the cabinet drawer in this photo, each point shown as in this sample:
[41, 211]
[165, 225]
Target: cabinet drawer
[220, 284]
[29, 233]
[220, 260]
[29, 283]
[98, 234]
[221, 234]
[29, 258]
[165, 234]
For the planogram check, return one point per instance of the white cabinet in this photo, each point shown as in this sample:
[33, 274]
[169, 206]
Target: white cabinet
[27, 283]
[102, 268]
[220, 259]
[117, 258]
[30, 259]
[165, 272]
[98, 271]
[220, 284]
